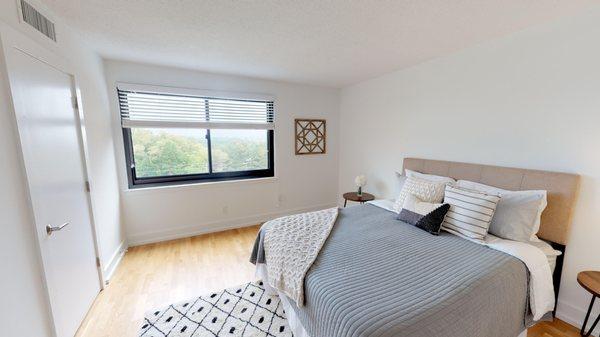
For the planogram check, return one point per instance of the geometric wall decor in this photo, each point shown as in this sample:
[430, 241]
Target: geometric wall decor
[310, 136]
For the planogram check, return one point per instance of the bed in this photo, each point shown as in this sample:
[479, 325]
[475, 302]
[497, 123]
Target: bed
[376, 276]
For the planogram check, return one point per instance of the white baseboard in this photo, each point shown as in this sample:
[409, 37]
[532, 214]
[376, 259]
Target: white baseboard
[217, 226]
[575, 315]
[113, 262]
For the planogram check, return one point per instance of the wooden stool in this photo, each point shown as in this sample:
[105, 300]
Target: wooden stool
[590, 281]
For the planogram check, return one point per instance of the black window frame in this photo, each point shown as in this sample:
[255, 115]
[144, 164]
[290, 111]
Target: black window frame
[136, 182]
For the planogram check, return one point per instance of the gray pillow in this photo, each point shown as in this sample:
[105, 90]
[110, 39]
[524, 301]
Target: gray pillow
[514, 216]
[518, 213]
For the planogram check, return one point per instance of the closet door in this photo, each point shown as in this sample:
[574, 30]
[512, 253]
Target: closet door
[51, 142]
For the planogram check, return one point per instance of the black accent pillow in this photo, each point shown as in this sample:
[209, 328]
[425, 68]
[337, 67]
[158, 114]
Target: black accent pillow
[430, 222]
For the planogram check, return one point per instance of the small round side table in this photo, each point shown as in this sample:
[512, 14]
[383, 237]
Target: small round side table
[590, 281]
[353, 196]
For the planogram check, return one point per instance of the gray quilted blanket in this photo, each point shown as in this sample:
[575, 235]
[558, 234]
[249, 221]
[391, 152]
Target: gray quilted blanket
[377, 276]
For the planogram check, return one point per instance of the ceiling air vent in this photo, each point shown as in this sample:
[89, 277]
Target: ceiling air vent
[38, 21]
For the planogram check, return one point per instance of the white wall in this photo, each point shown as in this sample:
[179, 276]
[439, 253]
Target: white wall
[24, 310]
[301, 183]
[530, 100]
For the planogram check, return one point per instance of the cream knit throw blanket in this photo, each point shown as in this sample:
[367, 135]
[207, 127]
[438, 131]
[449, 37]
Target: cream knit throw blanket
[291, 245]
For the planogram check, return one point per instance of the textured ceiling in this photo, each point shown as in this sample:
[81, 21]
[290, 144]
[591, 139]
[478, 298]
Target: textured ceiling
[327, 42]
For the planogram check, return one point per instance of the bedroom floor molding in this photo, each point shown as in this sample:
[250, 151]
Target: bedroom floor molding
[216, 226]
[574, 315]
[114, 261]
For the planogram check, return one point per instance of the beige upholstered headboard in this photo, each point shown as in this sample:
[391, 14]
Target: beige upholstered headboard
[562, 188]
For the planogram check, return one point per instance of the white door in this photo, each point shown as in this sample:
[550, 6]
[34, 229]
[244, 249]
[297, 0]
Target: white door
[50, 136]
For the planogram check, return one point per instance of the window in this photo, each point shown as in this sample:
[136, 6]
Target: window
[176, 136]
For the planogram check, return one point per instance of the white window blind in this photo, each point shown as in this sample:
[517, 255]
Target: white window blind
[147, 109]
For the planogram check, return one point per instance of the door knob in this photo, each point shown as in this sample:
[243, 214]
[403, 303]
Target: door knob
[52, 229]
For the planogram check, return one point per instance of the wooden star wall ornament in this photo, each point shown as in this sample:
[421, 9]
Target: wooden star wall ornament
[311, 136]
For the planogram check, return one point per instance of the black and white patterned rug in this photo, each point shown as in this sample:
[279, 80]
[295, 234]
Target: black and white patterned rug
[245, 311]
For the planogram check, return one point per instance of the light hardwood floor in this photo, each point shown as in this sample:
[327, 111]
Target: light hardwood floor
[155, 275]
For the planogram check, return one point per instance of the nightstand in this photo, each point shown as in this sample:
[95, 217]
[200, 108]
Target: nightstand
[353, 196]
[590, 281]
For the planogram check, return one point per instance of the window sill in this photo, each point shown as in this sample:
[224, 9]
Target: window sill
[201, 185]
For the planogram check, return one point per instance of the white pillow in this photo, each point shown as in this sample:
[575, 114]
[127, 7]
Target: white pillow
[519, 213]
[425, 190]
[430, 177]
[400, 179]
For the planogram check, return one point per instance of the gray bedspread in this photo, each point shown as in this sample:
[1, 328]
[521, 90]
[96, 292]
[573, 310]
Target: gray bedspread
[377, 276]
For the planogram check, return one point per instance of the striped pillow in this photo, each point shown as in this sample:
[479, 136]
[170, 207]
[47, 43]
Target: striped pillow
[470, 212]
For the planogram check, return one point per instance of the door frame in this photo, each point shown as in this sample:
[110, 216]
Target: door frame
[12, 42]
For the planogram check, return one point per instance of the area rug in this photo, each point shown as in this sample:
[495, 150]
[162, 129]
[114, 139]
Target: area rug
[246, 310]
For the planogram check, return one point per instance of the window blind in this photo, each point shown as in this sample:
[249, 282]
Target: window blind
[167, 110]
